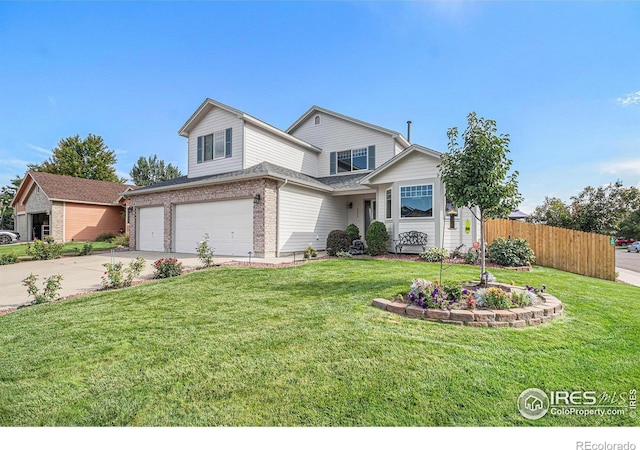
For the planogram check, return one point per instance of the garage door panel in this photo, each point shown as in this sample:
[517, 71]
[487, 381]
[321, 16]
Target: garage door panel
[228, 223]
[150, 229]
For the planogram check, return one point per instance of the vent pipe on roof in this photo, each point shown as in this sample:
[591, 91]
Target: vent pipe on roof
[409, 131]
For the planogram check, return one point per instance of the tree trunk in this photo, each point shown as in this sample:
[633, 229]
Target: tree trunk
[483, 272]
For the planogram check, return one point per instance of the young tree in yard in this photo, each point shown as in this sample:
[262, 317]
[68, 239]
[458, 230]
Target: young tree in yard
[84, 158]
[476, 175]
[152, 170]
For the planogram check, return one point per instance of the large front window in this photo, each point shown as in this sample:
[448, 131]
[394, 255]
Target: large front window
[351, 160]
[416, 201]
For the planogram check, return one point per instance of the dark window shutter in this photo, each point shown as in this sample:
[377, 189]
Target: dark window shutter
[372, 157]
[199, 149]
[332, 163]
[227, 140]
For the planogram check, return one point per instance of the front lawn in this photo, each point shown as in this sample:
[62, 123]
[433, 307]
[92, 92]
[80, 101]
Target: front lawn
[69, 247]
[302, 346]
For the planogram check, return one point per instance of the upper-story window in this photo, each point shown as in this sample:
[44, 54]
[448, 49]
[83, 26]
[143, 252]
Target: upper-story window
[214, 146]
[353, 160]
[316, 121]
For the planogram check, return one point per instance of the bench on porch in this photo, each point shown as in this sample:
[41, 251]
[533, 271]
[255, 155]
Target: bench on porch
[411, 238]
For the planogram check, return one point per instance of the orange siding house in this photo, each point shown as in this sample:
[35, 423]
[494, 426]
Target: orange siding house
[69, 208]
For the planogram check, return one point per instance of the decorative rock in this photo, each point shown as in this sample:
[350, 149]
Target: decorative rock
[414, 311]
[483, 315]
[533, 321]
[535, 312]
[398, 308]
[461, 314]
[521, 313]
[519, 323]
[477, 324]
[545, 319]
[438, 314]
[380, 303]
[452, 322]
[498, 324]
[503, 315]
[547, 310]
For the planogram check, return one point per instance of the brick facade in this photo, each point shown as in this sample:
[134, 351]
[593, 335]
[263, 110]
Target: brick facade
[264, 211]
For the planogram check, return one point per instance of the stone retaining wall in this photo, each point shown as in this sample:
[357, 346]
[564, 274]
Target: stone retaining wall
[548, 310]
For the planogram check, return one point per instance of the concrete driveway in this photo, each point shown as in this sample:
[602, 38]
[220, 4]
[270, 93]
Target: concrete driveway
[81, 274]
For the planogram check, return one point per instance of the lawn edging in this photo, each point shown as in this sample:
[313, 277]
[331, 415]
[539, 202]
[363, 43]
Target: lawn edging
[545, 312]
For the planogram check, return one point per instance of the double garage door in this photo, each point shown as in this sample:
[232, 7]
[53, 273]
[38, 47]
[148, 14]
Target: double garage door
[228, 223]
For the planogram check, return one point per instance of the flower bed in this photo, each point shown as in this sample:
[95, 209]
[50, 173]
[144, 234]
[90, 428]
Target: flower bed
[497, 305]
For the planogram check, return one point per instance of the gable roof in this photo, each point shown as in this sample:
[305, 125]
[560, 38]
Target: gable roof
[317, 109]
[72, 189]
[403, 154]
[209, 104]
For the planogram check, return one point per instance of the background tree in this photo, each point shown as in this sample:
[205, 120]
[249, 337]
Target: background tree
[602, 209]
[552, 212]
[151, 170]
[6, 197]
[84, 158]
[476, 175]
[630, 227]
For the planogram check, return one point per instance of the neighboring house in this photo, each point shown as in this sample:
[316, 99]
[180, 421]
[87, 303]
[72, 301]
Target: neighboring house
[518, 215]
[68, 208]
[252, 187]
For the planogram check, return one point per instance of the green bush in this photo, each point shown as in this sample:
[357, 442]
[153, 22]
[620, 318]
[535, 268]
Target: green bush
[121, 239]
[167, 268]
[49, 292]
[471, 257]
[453, 291]
[48, 249]
[354, 232]
[310, 252]
[118, 277]
[105, 237]
[338, 241]
[344, 255]
[497, 298]
[511, 252]
[435, 254]
[377, 237]
[86, 249]
[8, 258]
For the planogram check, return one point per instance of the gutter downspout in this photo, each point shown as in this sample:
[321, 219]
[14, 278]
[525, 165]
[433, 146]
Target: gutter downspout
[286, 180]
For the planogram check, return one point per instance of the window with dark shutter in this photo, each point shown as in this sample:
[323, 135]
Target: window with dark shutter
[199, 149]
[227, 151]
[332, 163]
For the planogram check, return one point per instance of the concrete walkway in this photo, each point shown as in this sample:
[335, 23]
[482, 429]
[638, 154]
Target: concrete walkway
[82, 274]
[628, 276]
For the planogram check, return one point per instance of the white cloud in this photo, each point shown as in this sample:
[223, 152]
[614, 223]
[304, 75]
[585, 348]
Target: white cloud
[630, 166]
[42, 150]
[630, 99]
[124, 175]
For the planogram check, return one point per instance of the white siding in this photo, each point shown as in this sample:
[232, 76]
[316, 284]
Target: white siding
[306, 217]
[398, 148]
[334, 134]
[216, 120]
[261, 145]
[415, 165]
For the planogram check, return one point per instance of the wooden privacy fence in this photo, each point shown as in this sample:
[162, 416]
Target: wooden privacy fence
[573, 251]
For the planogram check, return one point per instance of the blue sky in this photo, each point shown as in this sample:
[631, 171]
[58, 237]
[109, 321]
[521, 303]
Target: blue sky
[562, 78]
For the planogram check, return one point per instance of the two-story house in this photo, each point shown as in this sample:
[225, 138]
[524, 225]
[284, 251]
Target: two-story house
[252, 187]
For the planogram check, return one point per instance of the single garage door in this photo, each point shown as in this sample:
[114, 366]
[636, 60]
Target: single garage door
[151, 229]
[229, 224]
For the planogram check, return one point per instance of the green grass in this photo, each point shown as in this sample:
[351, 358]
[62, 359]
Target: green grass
[69, 247]
[302, 346]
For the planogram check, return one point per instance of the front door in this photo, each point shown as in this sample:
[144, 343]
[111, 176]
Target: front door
[369, 214]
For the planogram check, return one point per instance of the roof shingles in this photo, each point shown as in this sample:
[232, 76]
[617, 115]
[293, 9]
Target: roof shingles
[81, 190]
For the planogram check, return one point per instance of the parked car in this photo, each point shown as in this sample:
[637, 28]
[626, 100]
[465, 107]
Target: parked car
[635, 247]
[624, 241]
[7, 237]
